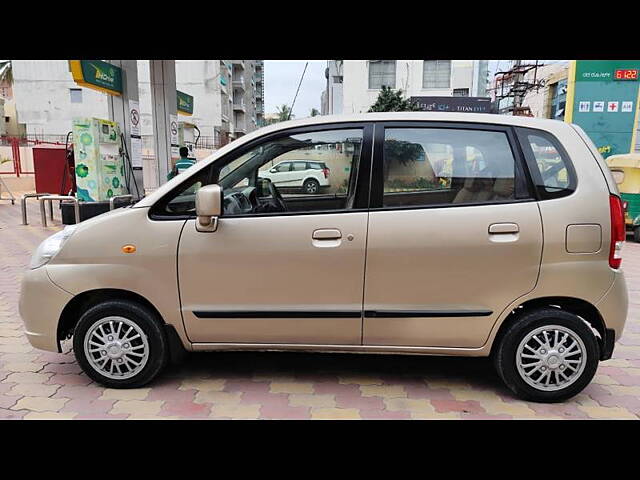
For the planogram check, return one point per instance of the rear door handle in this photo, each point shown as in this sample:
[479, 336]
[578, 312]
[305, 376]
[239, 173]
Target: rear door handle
[503, 228]
[327, 234]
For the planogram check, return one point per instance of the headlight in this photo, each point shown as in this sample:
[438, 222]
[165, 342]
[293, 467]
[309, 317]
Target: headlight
[50, 247]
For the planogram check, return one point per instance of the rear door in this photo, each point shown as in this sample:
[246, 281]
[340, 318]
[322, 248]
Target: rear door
[298, 173]
[454, 234]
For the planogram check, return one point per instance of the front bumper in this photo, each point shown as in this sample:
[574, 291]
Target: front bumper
[40, 306]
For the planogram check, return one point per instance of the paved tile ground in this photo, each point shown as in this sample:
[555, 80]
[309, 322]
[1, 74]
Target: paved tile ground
[36, 384]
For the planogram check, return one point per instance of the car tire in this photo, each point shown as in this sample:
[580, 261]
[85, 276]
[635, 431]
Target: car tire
[311, 186]
[135, 346]
[636, 234]
[533, 370]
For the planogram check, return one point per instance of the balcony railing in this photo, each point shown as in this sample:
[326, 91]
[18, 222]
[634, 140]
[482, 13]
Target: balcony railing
[238, 82]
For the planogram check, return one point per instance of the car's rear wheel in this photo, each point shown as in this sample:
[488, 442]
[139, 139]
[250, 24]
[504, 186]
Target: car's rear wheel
[547, 355]
[311, 186]
[120, 344]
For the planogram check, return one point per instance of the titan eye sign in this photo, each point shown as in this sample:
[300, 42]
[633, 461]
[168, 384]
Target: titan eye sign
[454, 104]
[602, 98]
[98, 75]
[185, 103]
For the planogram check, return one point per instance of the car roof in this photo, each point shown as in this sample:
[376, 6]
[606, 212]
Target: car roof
[414, 116]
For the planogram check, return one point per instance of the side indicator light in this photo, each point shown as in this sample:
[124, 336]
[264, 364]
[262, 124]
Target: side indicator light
[129, 249]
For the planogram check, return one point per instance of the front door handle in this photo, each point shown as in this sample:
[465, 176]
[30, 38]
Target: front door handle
[503, 228]
[327, 234]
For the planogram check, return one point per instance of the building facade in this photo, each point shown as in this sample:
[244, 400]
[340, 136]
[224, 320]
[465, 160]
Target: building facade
[47, 98]
[354, 85]
[547, 101]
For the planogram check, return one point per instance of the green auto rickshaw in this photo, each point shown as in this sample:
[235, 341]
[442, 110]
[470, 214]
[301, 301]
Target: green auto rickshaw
[625, 170]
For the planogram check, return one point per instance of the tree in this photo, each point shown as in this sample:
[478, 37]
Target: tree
[399, 151]
[284, 112]
[314, 112]
[392, 101]
[6, 72]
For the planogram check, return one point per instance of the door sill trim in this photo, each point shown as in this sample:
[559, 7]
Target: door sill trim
[329, 348]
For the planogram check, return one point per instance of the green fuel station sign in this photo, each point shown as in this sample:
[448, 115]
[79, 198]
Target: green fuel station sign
[602, 98]
[185, 103]
[97, 75]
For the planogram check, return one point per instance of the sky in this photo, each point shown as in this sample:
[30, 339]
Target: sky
[281, 78]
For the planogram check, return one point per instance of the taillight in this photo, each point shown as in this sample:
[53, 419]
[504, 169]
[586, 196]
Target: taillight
[617, 231]
[325, 170]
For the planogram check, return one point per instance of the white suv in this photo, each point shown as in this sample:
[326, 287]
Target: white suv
[309, 176]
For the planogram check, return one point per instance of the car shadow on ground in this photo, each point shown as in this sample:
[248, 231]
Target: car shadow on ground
[476, 373]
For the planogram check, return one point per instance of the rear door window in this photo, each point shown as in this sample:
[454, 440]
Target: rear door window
[440, 166]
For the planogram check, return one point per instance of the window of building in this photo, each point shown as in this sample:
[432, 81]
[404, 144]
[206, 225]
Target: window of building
[436, 74]
[75, 94]
[559, 99]
[382, 73]
[431, 166]
[460, 92]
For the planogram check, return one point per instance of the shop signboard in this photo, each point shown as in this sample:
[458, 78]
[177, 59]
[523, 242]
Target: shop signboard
[454, 104]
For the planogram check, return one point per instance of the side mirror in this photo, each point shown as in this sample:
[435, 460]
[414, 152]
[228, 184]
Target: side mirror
[208, 207]
[273, 170]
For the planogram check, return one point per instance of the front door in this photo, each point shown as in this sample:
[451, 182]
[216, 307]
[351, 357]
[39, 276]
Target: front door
[281, 269]
[454, 235]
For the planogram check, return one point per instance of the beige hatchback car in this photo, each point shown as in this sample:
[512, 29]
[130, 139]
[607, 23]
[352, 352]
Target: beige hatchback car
[441, 234]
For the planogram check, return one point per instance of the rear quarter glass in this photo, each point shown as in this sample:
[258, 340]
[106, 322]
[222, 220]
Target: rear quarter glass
[611, 184]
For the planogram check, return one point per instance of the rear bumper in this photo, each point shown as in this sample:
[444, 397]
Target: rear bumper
[608, 344]
[40, 306]
[613, 307]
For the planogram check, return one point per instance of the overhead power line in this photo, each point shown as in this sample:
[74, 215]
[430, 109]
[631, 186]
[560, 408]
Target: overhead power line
[296, 96]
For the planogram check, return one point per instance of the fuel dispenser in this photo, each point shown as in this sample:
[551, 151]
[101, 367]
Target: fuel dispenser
[187, 137]
[100, 172]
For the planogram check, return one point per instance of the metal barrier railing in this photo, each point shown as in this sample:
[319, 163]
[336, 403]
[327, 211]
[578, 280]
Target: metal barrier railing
[112, 200]
[43, 215]
[23, 205]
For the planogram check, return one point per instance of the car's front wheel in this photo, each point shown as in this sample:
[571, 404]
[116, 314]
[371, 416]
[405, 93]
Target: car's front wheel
[120, 344]
[547, 355]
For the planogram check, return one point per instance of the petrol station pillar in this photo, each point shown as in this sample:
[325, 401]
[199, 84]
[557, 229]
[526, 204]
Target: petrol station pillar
[122, 109]
[165, 114]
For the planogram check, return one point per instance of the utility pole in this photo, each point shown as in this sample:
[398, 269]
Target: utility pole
[513, 84]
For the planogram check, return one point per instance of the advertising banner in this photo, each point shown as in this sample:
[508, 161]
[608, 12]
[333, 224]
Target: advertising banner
[602, 98]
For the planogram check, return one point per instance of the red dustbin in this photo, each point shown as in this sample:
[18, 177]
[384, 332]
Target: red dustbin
[52, 171]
